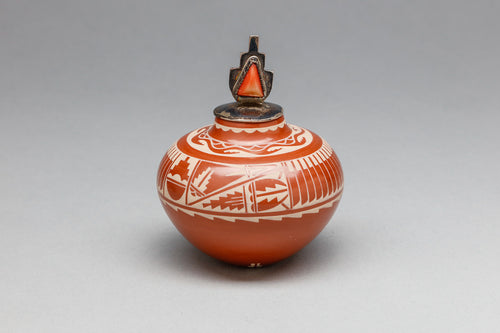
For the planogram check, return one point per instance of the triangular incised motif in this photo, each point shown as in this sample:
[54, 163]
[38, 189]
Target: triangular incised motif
[251, 86]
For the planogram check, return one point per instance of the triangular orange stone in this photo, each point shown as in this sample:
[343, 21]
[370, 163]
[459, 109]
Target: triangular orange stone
[251, 86]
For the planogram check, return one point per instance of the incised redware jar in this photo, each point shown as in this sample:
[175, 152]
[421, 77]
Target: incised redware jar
[250, 189]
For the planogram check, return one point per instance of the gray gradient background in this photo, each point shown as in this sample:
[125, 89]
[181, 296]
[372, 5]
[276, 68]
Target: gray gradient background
[92, 93]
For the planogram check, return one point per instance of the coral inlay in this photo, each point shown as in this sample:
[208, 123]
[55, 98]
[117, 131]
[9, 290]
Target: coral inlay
[251, 85]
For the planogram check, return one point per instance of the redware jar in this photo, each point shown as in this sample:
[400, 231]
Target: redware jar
[250, 189]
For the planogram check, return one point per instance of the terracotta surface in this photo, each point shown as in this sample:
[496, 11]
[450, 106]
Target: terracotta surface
[250, 193]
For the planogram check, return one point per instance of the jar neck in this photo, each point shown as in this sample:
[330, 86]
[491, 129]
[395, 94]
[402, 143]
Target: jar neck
[226, 130]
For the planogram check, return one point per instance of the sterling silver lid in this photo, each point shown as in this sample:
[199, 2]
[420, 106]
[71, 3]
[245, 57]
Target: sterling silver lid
[250, 84]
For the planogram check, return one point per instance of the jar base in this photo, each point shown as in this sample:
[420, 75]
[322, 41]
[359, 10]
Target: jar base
[251, 244]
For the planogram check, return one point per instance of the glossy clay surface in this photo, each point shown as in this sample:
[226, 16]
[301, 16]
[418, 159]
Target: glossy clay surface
[250, 194]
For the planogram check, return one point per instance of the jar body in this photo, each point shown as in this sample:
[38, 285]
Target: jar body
[250, 194]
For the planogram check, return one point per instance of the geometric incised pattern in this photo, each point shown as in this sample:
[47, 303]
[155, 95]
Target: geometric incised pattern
[201, 140]
[262, 129]
[250, 191]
